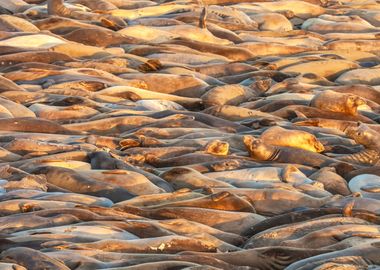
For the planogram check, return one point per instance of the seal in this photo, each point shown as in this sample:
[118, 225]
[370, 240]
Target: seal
[337, 67]
[133, 182]
[56, 7]
[164, 244]
[360, 76]
[322, 26]
[237, 222]
[221, 200]
[292, 138]
[364, 135]
[271, 257]
[365, 251]
[263, 200]
[336, 184]
[259, 150]
[62, 114]
[181, 85]
[8, 85]
[70, 180]
[183, 177]
[27, 257]
[104, 161]
[234, 53]
[237, 94]
[10, 23]
[337, 102]
[89, 36]
[301, 234]
[294, 111]
[27, 124]
[161, 198]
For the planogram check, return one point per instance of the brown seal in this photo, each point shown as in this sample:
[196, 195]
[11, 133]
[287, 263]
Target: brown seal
[261, 151]
[337, 102]
[292, 138]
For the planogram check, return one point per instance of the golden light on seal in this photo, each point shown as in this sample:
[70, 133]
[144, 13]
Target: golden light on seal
[220, 134]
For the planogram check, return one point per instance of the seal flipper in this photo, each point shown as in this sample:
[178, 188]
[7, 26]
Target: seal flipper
[307, 122]
[373, 188]
[110, 24]
[150, 65]
[202, 18]
[220, 196]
